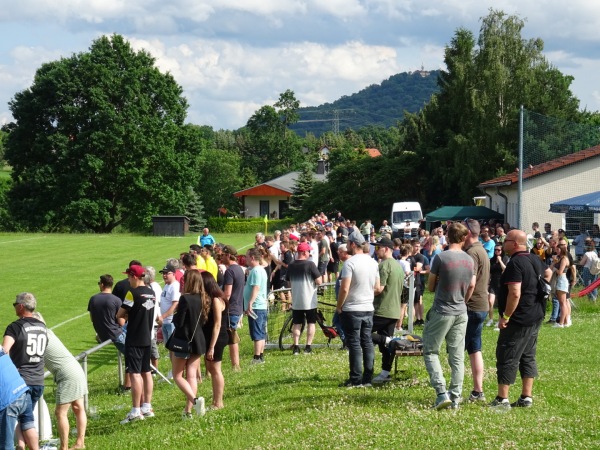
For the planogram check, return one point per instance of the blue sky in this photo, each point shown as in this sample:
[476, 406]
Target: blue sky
[233, 56]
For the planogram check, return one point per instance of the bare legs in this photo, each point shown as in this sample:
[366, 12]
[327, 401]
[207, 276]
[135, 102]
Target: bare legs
[234, 355]
[62, 423]
[565, 307]
[188, 385]
[477, 371]
[218, 382]
[491, 300]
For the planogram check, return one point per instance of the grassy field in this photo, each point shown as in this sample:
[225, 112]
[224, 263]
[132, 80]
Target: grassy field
[295, 402]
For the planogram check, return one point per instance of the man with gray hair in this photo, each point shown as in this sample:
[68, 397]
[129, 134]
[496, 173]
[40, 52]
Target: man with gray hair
[25, 341]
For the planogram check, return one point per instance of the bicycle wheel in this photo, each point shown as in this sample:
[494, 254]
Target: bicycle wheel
[286, 338]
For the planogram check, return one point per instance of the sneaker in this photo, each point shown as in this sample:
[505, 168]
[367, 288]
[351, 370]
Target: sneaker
[295, 350]
[257, 361]
[489, 323]
[131, 418]
[307, 350]
[500, 404]
[349, 384]
[551, 322]
[477, 397]
[455, 403]
[442, 402]
[170, 375]
[381, 379]
[569, 323]
[558, 325]
[366, 385]
[199, 406]
[526, 402]
[149, 413]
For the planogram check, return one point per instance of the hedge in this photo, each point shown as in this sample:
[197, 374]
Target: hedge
[254, 225]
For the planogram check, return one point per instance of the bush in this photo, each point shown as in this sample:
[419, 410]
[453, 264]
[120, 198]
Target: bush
[254, 225]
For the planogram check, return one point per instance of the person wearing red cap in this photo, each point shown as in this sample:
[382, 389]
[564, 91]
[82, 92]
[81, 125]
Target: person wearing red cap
[138, 310]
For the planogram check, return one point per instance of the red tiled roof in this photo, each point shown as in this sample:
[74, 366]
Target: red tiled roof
[373, 152]
[546, 167]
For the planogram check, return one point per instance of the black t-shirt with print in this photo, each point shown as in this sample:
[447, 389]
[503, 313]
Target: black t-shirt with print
[139, 304]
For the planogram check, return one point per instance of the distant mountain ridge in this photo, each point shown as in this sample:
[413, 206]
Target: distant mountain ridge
[378, 105]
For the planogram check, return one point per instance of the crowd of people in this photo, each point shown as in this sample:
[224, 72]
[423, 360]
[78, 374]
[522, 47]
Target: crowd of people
[469, 266]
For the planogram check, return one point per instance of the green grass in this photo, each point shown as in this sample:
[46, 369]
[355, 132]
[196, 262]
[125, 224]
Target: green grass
[294, 402]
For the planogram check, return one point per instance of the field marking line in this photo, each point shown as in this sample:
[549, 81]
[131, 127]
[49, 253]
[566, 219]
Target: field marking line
[69, 320]
[23, 240]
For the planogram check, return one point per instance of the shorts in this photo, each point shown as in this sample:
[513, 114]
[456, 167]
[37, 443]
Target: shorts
[137, 359]
[404, 296]
[258, 326]
[332, 266]
[418, 295]
[10, 416]
[299, 315]
[323, 267]
[27, 420]
[220, 345]
[516, 350]
[474, 329]
[167, 329]
[154, 349]
[562, 284]
[234, 321]
[494, 288]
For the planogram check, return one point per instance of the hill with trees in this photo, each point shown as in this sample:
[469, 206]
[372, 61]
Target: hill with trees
[381, 105]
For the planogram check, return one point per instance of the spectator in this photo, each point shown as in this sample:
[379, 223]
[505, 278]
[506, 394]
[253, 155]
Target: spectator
[255, 303]
[386, 305]
[138, 310]
[14, 401]
[366, 228]
[206, 238]
[559, 269]
[121, 288]
[521, 315]
[150, 280]
[486, 240]
[590, 257]
[28, 358]
[420, 266]
[536, 230]
[215, 336]
[71, 387]
[477, 307]
[497, 266]
[385, 229]
[452, 278]
[304, 278]
[360, 279]
[234, 296]
[579, 241]
[193, 308]
[169, 300]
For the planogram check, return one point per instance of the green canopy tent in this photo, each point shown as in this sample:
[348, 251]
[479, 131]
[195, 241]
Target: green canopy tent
[457, 213]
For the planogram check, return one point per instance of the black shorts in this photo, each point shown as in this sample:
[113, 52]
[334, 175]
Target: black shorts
[404, 295]
[322, 267]
[298, 316]
[137, 359]
[516, 350]
[332, 266]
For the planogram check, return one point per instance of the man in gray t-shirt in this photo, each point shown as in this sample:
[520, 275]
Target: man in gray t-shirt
[452, 279]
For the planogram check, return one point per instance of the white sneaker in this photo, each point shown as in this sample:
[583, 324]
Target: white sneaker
[558, 325]
[131, 418]
[380, 379]
[199, 406]
[489, 323]
[149, 413]
[569, 323]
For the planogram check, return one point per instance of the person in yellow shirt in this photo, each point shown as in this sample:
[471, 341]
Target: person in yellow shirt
[196, 252]
[210, 265]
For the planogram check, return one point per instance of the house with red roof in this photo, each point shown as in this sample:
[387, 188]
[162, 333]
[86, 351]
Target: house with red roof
[561, 178]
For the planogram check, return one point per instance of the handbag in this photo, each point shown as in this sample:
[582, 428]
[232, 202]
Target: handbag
[179, 345]
[232, 334]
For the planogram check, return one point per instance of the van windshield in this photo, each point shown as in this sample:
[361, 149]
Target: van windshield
[403, 216]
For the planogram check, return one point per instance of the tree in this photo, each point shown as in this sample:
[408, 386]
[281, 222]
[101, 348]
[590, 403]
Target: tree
[195, 212]
[93, 145]
[287, 108]
[303, 189]
[469, 131]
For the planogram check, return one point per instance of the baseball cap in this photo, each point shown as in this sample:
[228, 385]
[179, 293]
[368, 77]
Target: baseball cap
[229, 249]
[356, 237]
[384, 242]
[304, 247]
[560, 230]
[135, 270]
[168, 268]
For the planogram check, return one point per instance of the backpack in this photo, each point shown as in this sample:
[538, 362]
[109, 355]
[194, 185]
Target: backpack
[544, 289]
[595, 267]
[406, 343]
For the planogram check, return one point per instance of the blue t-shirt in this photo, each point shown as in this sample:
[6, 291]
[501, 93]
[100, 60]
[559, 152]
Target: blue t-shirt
[489, 247]
[12, 386]
[256, 277]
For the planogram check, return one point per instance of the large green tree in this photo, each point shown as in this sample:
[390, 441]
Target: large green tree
[93, 145]
[469, 131]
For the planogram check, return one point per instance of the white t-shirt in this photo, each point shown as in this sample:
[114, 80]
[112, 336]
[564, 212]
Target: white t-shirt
[363, 272]
[314, 252]
[170, 294]
[405, 264]
[275, 250]
[157, 292]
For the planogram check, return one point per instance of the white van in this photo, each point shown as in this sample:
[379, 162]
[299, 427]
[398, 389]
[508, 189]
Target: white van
[405, 215]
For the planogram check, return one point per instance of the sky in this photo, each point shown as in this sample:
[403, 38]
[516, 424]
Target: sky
[233, 56]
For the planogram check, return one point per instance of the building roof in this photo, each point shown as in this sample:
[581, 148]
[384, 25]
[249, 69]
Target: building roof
[373, 152]
[280, 186]
[549, 166]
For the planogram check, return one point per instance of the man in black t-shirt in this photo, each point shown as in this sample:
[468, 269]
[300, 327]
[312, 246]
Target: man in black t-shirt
[25, 340]
[233, 289]
[121, 287]
[103, 308]
[521, 315]
[138, 310]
